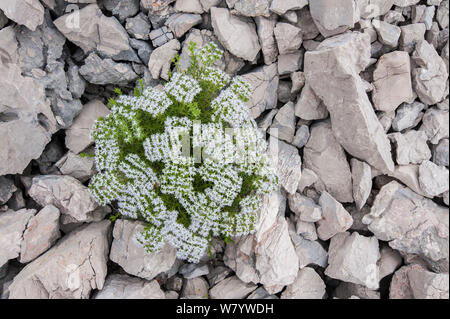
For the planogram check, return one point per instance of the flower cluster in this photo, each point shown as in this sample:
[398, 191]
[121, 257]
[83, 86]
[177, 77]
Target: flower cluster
[187, 160]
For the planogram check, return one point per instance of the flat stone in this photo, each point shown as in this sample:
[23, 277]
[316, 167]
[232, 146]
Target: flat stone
[435, 123]
[324, 155]
[440, 153]
[179, 24]
[411, 147]
[306, 23]
[388, 34]
[249, 8]
[138, 27]
[231, 288]
[433, 179]
[309, 252]
[353, 258]
[190, 271]
[41, 233]
[343, 92]
[362, 182]
[410, 223]
[428, 285]
[392, 81]
[411, 34]
[289, 63]
[407, 116]
[189, 6]
[374, 8]
[160, 36]
[77, 166]
[309, 106]
[161, 59]
[71, 269]
[132, 256]
[409, 175]
[265, 29]
[335, 218]
[29, 13]
[280, 7]
[121, 9]
[283, 126]
[119, 286]
[307, 285]
[289, 38]
[237, 34]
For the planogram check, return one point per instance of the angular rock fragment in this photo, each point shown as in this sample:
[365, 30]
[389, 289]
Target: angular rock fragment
[440, 153]
[231, 288]
[388, 34]
[411, 147]
[409, 175]
[249, 8]
[309, 252]
[29, 13]
[280, 7]
[7, 188]
[195, 288]
[189, 6]
[126, 287]
[121, 9]
[407, 116]
[132, 256]
[305, 208]
[289, 63]
[325, 157]
[335, 218]
[374, 8]
[79, 167]
[160, 36]
[138, 27]
[289, 38]
[353, 258]
[161, 59]
[435, 123]
[71, 269]
[392, 81]
[307, 285]
[179, 24]
[362, 182]
[264, 28]
[433, 179]
[283, 126]
[309, 106]
[307, 179]
[411, 34]
[301, 137]
[389, 261]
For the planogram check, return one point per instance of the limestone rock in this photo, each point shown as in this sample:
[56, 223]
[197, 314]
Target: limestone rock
[440, 153]
[289, 38]
[309, 106]
[189, 6]
[78, 134]
[325, 157]
[7, 188]
[389, 261]
[161, 59]
[237, 34]
[435, 123]
[335, 218]
[392, 81]
[305, 208]
[374, 8]
[348, 290]
[195, 288]
[280, 7]
[362, 182]
[407, 116]
[411, 147]
[126, 287]
[250, 8]
[71, 269]
[179, 24]
[283, 126]
[29, 13]
[41, 233]
[264, 28]
[301, 136]
[411, 34]
[138, 27]
[388, 34]
[231, 288]
[427, 285]
[353, 258]
[81, 168]
[160, 36]
[307, 285]
[307, 179]
[132, 257]
[433, 179]
[190, 271]
[309, 252]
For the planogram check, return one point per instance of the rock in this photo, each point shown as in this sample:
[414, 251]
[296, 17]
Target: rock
[430, 76]
[7, 188]
[265, 29]
[155, 6]
[423, 14]
[392, 81]
[306, 23]
[190, 271]
[343, 92]
[348, 290]
[41, 233]
[280, 7]
[160, 36]
[96, 32]
[126, 287]
[249, 8]
[309, 252]
[240, 257]
[307, 285]
[411, 147]
[409, 175]
[411, 34]
[189, 6]
[407, 116]
[389, 261]
[161, 59]
[427, 285]
[195, 288]
[79, 167]
[105, 71]
[78, 134]
[323, 155]
[289, 63]
[388, 34]
[362, 182]
[335, 218]
[231, 288]
[72, 198]
[308, 177]
[435, 124]
[287, 163]
[218, 274]
[288, 37]
[71, 269]
[442, 14]
[121, 9]
[433, 179]
[440, 153]
[405, 3]
[353, 258]
[179, 24]
[144, 49]
[261, 293]
[133, 257]
[301, 137]
[400, 287]
[264, 81]
[332, 18]
[138, 27]
[29, 13]
[305, 208]
[410, 223]
[298, 81]
[12, 226]
[309, 106]
[306, 230]
[283, 126]
[237, 34]
[208, 4]
[374, 8]
[76, 84]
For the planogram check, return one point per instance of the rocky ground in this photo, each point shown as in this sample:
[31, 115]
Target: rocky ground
[354, 91]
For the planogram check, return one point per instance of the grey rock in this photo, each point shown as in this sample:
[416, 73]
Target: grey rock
[261, 293]
[156, 6]
[190, 271]
[325, 157]
[283, 126]
[308, 178]
[179, 24]
[353, 258]
[307, 285]
[309, 106]
[306, 230]
[249, 8]
[289, 63]
[161, 59]
[388, 34]
[284, 91]
[424, 14]
[105, 71]
[298, 81]
[411, 34]
[237, 34]
[121, 9]
[440, 153]
[138, 27]
[335, 218]
[66, 193]
[306, 23]
[189, 6]
[266, 121]
[301, 137]
[79, 167]
[400, 287]
[288, 37]
[119, 286]
[264, 81]
[144, 50]
[218, 274]
[133, 257]
[343, 92]
[428, 285]
[76, 84]
[389, 261]
[160, 36]
[405, 3]
[362, 182]
[407, 116]
[265, 29]
[374, 8]
[3, 19]
[7, 188]
[433, 179]
[41, 233]
[348, 290]
[410, 223]
[442, 14]
[435, 123]
[280, 7]
[332, 18]
[195, 288]
[430, 76]
[73, 268]
[392, 81]
[411, 147]
[306, 209]
[309, 252]
[208, 4]
[409, 175]
[78, 134]
[231, 288]
[29, 13]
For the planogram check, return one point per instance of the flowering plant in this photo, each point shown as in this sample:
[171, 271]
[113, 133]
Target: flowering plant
[186, 158]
